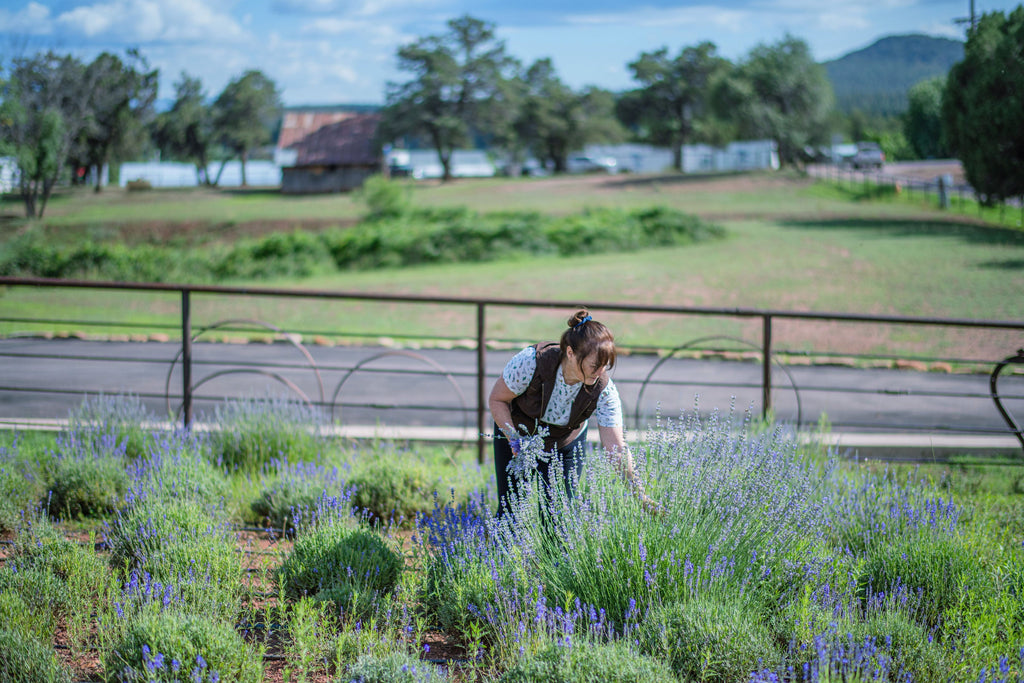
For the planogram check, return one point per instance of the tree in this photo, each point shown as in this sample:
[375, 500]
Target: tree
[922, 122]
[45, 110]
[983, 107]
[185, 131]
[781, 93]
[549, 120]
[676, 95]
[120, 102]
[245, 113]
[456, 78]
[552, 120]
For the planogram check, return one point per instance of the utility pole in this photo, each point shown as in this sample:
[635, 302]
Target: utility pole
[971, 20]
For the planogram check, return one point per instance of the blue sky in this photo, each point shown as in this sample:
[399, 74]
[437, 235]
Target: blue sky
[343, 51]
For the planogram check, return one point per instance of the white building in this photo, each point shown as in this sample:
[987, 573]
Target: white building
[745, 155]
[8, 174]
[175, 174]
[424, 163]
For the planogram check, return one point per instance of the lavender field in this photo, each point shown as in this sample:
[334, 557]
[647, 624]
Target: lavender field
[262, 550]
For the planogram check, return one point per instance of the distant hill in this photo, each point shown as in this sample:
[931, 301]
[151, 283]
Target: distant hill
[876, 79]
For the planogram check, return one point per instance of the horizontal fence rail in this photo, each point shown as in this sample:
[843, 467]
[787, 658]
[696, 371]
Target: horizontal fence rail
[331, 385]
[941, 188]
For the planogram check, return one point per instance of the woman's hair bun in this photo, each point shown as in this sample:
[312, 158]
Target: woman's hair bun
[577, 317]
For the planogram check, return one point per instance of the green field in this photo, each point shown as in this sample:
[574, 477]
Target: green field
[792, 245]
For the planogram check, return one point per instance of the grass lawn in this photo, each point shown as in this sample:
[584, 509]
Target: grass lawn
[792, 245]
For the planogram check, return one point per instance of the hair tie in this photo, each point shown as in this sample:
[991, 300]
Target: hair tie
[580, 323]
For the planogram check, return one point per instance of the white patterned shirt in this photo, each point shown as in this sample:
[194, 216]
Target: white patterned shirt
[519, 372]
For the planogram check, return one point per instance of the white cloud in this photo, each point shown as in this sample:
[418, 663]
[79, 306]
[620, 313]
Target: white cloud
[355, 8]
[33, 19]
[706, 15]
[330, 26]
[943, 28]
[145, 21]
[378, 33]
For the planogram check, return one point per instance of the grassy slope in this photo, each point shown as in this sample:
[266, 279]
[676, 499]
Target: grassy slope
[792, 245]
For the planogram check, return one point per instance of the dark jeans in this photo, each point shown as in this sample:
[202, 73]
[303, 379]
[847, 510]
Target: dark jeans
[571, 458]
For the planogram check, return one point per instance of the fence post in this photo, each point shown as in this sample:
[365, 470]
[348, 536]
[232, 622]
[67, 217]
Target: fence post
[766, 366]
[186, 359]
[481, 357]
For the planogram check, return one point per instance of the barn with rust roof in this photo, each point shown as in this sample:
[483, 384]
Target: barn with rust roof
[327, 151]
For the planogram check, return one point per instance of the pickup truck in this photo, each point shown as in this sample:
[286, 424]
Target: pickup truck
[869, 156]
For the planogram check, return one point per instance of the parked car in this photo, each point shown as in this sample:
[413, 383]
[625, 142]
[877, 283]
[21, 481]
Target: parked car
[869, 156]
[581, 163]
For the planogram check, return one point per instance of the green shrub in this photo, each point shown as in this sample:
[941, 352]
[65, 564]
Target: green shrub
[87, 486]
[291, 254]
[393, 235]
[184, 545]
[708, 639]
[397, 667]
[251, 433]
[385, 199]
[910, 651]
[118, 423]
[939, 565]
[294, 489]
[41, 545]
[176, 647]
[23, 659]
[342, 564]
[32, 601]
[17, 494]
[611, 663]
[21, 479]
[276, 505]
[175, 468]
[392, 488]
[356, 638]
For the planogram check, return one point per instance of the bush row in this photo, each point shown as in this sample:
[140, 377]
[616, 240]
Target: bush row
[412, 238]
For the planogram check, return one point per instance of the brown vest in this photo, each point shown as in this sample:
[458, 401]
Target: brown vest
[528, 407]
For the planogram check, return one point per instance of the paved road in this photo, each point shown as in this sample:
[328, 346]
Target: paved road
[392, 383]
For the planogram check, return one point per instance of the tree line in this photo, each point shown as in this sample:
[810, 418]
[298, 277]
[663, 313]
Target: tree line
[464, 89]
[60, 116]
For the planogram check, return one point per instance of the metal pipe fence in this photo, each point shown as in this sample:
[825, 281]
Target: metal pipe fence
[773, 381]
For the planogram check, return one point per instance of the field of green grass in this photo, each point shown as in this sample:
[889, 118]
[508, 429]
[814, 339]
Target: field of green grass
[792, 244]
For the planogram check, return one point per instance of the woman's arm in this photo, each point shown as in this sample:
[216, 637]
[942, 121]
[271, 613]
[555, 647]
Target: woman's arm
[613, 442]
[501, 410]
[615, 449]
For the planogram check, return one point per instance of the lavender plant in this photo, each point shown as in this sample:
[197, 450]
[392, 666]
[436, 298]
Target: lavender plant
[295, 488]
[120, 417]
[589, 558]
[26, 660]
[32, 601]
[21, 482]
[337, 561]
[89, 478]
[708, 639]
[174, 647]
[187, 548]
[174, 468]
[569, 661]
[250, 433]
[397, 667]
